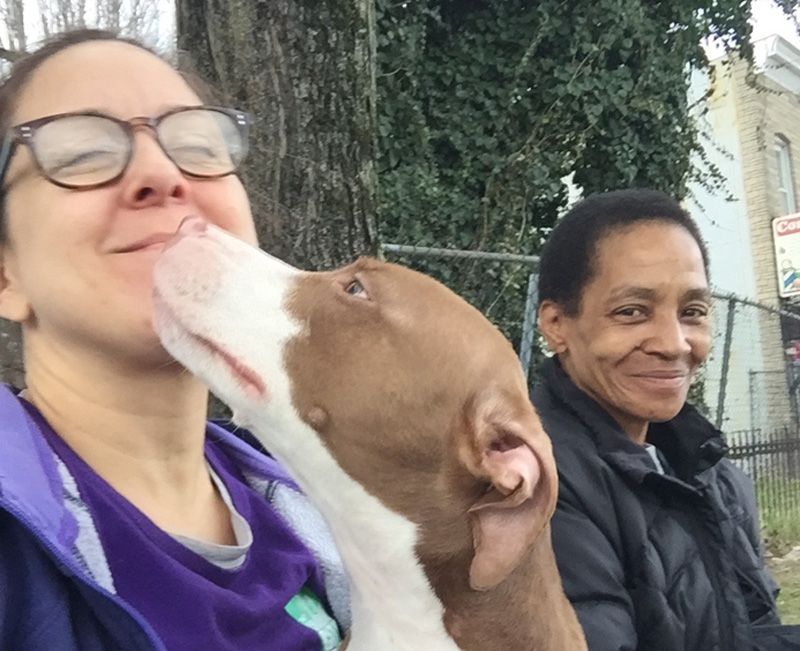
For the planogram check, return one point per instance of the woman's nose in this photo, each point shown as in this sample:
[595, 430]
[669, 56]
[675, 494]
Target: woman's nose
[152, 178]
[668, 338]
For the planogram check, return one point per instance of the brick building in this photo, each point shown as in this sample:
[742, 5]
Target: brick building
[751, 132]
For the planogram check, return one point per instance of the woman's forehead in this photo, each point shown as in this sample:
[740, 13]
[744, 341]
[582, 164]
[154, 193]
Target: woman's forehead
[655, 252]
[111, 76]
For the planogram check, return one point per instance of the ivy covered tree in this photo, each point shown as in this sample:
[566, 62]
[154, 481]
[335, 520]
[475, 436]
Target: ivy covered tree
[485, 105]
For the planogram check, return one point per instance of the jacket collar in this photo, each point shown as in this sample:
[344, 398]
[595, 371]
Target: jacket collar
[31, 487]
[250, 462]
[690, 443]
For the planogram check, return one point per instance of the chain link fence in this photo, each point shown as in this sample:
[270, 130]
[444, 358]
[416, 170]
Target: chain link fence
[749, 387]
[501, 285]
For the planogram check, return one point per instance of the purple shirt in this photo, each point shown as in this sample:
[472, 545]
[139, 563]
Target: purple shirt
[190, 602]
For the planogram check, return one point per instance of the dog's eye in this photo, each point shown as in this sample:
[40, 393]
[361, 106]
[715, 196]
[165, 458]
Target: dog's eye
[356, 289]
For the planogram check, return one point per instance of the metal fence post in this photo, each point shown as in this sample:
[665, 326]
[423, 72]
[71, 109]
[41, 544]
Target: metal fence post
[529, 324]
[726, 353]
[751, 374]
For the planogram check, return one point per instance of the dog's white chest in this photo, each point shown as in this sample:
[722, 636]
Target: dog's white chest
[394, 607]
[393, 604]
[382, 639]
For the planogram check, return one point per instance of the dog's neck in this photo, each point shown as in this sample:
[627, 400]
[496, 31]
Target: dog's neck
[393, 605]
[401, 602]
[528, 610]
[431, 605]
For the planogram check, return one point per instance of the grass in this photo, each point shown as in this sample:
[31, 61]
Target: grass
[781, 530]
[781, 533]
[779, 511]
[787, 574]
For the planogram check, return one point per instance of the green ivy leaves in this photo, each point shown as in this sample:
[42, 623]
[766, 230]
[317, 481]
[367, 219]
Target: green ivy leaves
[484, 105]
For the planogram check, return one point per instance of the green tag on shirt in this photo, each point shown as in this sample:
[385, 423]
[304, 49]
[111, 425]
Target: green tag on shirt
[305, 608]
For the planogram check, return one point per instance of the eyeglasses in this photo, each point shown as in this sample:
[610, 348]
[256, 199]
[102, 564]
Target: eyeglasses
[88, 150]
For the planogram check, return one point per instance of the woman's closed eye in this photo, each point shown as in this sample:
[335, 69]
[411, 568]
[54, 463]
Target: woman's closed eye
[84, 161]
[198, 151]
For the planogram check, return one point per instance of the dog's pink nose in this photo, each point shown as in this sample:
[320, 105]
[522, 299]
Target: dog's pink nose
[193, 225]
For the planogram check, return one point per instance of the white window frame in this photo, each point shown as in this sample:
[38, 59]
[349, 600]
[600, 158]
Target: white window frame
[785, 176]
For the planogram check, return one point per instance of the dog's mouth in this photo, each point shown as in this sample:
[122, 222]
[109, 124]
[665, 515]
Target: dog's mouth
[249, 381]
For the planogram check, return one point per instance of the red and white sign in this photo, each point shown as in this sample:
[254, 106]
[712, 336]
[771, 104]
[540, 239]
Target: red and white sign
[787, 225]
[786, 237]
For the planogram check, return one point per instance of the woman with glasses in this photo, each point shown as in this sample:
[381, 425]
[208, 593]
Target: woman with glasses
[126, 520]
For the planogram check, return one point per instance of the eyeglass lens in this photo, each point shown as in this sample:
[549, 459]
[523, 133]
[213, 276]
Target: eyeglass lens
[84, 150]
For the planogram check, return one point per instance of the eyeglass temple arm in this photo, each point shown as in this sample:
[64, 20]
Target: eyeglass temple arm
[5, 155]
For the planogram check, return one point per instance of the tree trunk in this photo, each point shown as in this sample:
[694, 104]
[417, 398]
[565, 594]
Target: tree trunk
[15, 25]
[11, 365]
[305, 70]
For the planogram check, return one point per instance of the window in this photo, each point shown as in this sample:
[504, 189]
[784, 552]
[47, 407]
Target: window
[785, 179]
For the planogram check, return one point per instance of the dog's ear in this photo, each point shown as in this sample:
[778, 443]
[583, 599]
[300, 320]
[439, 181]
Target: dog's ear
[507, 448]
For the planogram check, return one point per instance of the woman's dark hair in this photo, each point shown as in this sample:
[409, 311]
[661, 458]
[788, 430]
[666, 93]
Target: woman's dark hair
[23, 69]
[568, 260]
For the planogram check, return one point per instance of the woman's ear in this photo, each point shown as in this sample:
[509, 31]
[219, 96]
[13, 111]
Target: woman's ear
[552, 326]
[13, 303]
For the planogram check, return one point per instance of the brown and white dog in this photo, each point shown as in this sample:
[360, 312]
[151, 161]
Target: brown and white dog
[404, 415]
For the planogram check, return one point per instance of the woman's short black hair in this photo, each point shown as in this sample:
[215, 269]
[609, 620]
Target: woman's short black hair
[567, 262]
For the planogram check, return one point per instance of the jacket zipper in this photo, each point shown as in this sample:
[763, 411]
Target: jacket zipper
[726, 634]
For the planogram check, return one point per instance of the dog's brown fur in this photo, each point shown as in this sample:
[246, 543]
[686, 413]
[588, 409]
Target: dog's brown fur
[410, 404]
[410, 390]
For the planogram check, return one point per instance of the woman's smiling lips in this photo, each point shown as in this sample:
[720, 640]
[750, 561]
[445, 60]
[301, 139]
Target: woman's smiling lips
[668, 379]
[155, 240]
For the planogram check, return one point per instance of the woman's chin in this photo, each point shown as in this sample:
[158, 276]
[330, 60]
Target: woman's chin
[664, 412]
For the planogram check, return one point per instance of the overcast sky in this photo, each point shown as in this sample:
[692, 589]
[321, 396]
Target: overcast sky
[767, 20]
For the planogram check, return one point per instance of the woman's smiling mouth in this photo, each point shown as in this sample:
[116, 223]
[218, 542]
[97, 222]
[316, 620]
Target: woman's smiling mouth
[153, 241]
[663, 380]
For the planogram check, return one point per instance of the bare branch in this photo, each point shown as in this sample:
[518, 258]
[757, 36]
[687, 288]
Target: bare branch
[142, 19]
[15, 23]
[108, 14]
[44, 15]
[10, 55]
